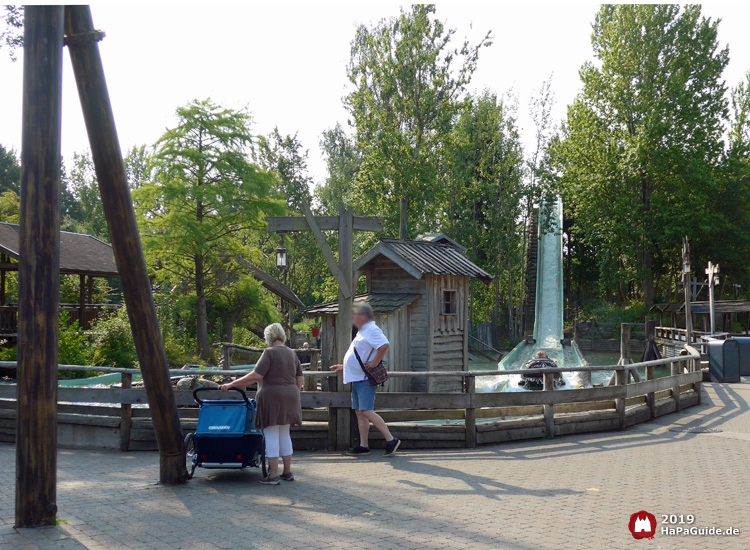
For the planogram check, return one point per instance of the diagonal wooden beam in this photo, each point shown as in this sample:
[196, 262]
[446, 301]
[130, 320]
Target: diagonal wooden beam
[344, 284]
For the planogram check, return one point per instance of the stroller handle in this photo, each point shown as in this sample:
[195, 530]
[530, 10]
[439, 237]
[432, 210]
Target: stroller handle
[200, 401]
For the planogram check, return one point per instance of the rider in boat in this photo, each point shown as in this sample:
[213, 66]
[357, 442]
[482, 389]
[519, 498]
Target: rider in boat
[536, 381]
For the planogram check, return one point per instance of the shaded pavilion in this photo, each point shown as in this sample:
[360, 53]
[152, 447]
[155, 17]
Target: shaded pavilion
[80, 254]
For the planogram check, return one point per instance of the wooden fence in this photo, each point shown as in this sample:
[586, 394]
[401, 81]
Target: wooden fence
[117, 416]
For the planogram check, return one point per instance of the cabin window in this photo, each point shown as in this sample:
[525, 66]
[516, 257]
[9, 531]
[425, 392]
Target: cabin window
[450, 302]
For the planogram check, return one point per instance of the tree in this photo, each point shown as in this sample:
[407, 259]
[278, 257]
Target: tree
[137, 166]
[285, 156]
[407, 78]
[10, 170]
[204, 196]
[87, 212]
[343, 161]
[485, 192]
[642, 139]
[11, 36]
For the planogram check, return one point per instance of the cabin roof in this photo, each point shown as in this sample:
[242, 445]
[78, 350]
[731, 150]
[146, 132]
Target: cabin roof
[441, 238]
[79, 254]
[422, 257]
[380, 303]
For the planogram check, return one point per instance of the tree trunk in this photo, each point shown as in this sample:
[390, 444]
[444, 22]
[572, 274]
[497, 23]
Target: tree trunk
[229, 328]
[201, 310]
[648, 279]
[403, 229]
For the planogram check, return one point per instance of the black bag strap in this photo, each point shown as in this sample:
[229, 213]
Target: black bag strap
[359, 359]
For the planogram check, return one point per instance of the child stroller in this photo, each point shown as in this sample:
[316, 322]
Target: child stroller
[226, 436]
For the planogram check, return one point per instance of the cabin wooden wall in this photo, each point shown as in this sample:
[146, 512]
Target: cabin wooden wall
[395, 326]
[384, 276]
[448, 333]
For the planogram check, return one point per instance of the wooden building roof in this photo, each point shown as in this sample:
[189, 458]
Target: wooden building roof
[380, 303]
[422, 257]
[79, 254]
[441, 238]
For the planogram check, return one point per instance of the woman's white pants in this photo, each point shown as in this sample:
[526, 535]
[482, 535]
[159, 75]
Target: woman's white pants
[278, 441]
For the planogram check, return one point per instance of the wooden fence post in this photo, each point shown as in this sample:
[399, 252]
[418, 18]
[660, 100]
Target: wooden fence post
[622, 380]
[311, 382]
[39, 268]
[549, 410]
[470, 415]
[651, 396]
[126, 414]
[82, 42]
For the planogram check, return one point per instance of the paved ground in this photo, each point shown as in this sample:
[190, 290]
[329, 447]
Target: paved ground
[575, 492]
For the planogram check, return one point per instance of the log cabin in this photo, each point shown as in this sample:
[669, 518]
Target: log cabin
[419, 291]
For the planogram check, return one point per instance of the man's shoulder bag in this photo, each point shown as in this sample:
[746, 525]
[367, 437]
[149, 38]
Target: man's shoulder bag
[377, 375]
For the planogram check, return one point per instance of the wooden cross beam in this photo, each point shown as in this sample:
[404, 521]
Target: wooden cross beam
[343, 270]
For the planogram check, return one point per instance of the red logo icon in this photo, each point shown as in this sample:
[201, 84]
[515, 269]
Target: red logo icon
[642, 525]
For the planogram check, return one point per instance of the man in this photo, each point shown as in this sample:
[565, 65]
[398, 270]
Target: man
[536, 381]
[371, 345]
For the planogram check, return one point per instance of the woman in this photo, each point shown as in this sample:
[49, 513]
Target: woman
[279, 376]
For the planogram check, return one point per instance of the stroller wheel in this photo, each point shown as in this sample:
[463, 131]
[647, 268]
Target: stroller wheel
[263, 459]
[191, 456]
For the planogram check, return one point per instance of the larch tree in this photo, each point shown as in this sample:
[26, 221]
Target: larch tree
[204, 195]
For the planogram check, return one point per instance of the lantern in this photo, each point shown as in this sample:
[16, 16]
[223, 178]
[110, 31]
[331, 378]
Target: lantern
[281, 258]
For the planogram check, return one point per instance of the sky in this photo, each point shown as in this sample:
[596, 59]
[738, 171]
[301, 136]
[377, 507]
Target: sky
[286, 62]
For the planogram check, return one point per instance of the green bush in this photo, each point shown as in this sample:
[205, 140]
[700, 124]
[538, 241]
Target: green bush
[112, 342]
[72, 343]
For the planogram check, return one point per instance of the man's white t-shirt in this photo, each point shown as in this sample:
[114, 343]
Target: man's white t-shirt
[368, 341]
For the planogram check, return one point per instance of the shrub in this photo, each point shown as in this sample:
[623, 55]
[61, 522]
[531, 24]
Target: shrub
[112, 342]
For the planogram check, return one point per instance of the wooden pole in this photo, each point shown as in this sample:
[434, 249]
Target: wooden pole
[126, 243]
[82, 300]
[470, 414]
[126, 415]
[39, 268]
[344, 321]
[549, 409]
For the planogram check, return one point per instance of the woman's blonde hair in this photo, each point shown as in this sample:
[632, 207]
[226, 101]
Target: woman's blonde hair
[274, 332]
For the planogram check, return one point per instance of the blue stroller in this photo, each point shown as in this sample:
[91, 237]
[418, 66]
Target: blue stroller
[226, 436]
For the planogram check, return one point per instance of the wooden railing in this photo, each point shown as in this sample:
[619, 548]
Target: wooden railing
[470, 417]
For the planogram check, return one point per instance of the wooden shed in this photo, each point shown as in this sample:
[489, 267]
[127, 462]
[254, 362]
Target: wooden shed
[419, 291]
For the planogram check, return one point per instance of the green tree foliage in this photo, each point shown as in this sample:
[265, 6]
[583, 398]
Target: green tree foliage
[407, 77]
[137, 166]
[485, 192]
[10, 170]
[81, 201]
[343, 161]
[286, 156]
[11, 29]
[205, 196]
[10, 206]
[642, 140]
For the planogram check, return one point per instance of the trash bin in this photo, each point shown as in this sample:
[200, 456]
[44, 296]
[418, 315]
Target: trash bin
[744, 342]
[724, 360]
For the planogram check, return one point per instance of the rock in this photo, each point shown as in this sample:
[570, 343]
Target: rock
[184, 383]
[203, 383]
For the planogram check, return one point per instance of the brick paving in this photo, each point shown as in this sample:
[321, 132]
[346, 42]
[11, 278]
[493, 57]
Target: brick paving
[575, 492]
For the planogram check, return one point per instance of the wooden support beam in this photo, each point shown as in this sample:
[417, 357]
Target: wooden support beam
[326, 250]
[470, 414]
[344, 319]
[39, 268]
[126, 415]
[126, 242]
[621, 380]
[281, 224]
[82, 301]
[549, 409]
